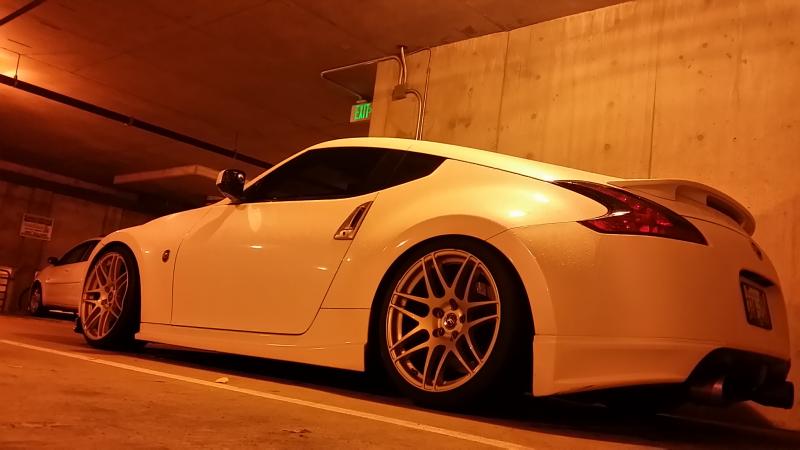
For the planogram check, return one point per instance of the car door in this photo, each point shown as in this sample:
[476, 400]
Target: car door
[265, 263]
[73, 288]
[60, 279]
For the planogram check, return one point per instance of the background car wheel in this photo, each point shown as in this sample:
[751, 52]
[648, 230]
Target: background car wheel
[109, 310]
[35, 305]
[454, 325]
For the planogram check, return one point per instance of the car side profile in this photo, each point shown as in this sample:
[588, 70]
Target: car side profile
[461, 273]
[59, 285]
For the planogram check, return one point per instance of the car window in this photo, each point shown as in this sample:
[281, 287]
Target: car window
[73, 255]
[88, 250]
[319, 174]
[341, 172]
[412, 166]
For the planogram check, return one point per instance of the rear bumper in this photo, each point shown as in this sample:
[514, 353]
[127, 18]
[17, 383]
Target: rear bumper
[568, 364]
[632, 310]
[578, 364]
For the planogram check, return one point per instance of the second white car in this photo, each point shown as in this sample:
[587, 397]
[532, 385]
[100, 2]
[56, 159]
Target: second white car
[59, 285]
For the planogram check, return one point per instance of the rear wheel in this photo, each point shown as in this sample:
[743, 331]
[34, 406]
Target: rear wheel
[109, 311]
[453, 328]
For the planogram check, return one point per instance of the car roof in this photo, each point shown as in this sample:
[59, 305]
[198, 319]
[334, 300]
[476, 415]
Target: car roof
[508, 163]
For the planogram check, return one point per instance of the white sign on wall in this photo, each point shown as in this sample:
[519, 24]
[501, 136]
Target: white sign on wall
[36, 227]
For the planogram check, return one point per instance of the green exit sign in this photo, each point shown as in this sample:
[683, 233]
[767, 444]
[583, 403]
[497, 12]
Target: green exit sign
[360, 112]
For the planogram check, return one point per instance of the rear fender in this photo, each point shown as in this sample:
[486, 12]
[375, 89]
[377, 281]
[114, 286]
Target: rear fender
[372, 255]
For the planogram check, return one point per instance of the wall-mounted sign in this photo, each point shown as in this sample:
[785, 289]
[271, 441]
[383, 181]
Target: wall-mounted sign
[36, 227]
[360, 112]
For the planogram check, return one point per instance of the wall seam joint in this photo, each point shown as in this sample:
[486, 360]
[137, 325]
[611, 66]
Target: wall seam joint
[502, 93]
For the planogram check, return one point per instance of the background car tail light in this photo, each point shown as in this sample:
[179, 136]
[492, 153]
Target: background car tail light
[630, 214]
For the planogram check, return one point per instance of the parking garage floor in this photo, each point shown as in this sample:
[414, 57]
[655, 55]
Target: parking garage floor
[56, 392]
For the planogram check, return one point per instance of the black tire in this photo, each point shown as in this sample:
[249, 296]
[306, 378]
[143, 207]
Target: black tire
[35, 304]
[506, 369]
[121, 334]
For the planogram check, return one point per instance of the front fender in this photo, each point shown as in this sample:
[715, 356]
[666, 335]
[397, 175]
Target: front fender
[147, 243]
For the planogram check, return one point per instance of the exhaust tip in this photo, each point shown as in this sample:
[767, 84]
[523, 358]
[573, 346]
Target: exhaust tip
[778, 395]
[720, 391]
[711, 392]
[727, 376]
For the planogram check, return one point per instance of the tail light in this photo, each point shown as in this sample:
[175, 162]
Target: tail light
[630, 214]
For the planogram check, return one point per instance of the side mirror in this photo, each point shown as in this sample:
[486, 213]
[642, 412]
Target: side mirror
[52, 260]
[230, 183]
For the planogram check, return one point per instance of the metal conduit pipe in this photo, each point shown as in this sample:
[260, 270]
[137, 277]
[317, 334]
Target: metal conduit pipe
[20, 11]
[414, 92]
[130, 121]
[420, 112]
[403, 65]
[422, 98]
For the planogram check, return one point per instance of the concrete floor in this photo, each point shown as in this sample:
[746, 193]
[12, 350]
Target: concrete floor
[56, 392]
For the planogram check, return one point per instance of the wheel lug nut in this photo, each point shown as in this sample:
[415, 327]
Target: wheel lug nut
[438, 313]
[463, 319]
[438, 332]
[453, 304]
[455, 334]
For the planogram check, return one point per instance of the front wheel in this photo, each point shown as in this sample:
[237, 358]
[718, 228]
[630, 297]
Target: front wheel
[109, 310]
[453, 326]
[35, 305]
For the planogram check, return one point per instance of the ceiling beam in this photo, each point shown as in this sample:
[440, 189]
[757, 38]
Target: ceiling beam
[19, 169]
[62, 184]
[172, 172]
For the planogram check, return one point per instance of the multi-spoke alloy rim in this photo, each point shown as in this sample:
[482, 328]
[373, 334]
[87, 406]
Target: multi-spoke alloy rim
[103, 295]
[36, 300]
[443, 320]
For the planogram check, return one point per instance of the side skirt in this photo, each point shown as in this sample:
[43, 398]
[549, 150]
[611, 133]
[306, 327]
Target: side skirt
[336, 339]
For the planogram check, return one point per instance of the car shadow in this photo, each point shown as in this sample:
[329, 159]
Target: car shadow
[554, 416]
[544, 415]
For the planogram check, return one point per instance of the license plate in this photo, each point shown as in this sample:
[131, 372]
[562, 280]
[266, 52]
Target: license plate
[755, 306]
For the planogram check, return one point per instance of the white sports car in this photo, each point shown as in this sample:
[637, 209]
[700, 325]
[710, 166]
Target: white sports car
[462, 273]
[59, 284]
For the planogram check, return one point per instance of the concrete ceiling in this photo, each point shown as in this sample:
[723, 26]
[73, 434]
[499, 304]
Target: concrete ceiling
[241, 74]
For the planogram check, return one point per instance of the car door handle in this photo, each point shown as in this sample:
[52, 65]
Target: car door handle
[348, 229]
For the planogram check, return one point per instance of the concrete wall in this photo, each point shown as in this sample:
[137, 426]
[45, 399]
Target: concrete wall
[698, 89]
[75, 221]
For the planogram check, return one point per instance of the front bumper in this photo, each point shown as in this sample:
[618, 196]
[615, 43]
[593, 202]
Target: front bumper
[623, 310]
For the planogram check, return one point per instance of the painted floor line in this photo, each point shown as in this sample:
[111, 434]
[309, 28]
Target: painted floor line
[279, 398]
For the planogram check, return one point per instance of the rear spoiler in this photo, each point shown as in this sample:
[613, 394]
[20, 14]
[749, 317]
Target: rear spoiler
[693, 192]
